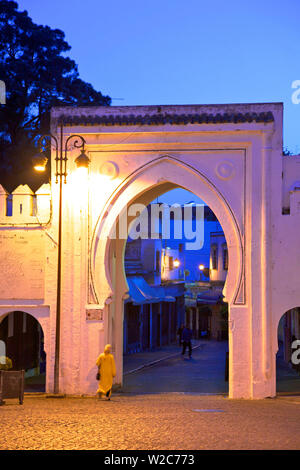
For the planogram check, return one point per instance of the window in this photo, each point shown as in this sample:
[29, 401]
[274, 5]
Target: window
[214, 257]
[225, 257]
[171, 264]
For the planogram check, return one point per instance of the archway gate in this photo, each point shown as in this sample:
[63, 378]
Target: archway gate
[228, 155]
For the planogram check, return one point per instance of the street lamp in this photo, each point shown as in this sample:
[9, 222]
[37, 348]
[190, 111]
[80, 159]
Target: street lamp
[201, 268]
[40, 162]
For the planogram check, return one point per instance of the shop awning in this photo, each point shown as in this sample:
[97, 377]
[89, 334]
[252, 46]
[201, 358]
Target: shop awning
[140, 292]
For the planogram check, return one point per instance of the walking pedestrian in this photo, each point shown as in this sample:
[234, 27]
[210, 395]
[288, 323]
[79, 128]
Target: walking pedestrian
[107, 369]
[179, 334]
[186, 341]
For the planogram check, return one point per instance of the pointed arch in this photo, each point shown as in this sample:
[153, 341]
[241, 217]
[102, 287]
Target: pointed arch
[154, 176]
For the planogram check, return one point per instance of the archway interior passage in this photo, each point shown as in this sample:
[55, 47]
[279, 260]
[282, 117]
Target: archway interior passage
[288, 355]
[176, 263]
[23, 340]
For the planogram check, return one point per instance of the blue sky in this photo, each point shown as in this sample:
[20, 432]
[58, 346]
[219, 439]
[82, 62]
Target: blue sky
[179, 196]
[184, 51]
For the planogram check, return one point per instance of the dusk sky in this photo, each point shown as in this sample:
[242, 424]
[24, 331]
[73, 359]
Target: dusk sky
[184, 52]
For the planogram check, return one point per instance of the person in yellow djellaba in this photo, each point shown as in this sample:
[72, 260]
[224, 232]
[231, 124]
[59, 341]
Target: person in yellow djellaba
[107, 369]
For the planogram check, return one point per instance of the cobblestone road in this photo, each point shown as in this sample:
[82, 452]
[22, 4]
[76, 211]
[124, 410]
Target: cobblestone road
[149, 422]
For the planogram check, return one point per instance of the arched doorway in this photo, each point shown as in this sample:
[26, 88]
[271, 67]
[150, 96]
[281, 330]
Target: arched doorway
[23, 337]
[288, 355]
[107, 269]
[173, 282]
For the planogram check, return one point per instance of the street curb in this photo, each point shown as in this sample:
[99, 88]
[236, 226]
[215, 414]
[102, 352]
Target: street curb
[149, 364]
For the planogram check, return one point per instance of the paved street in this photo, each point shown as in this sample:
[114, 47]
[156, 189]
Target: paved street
[176, 404]
[160, 407]
[149, 422]
[204, 373]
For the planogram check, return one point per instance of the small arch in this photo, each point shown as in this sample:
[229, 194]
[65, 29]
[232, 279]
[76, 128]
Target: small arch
[23, 336]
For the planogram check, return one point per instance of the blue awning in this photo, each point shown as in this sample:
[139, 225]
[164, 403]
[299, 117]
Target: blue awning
[161, 292]
[140, 292]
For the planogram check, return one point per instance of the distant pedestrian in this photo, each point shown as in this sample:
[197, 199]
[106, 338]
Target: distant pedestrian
[179, 334]
[186, 341]
[107, 369]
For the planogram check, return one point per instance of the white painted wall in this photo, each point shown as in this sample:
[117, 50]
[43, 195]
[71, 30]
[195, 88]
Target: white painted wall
[236, 167]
